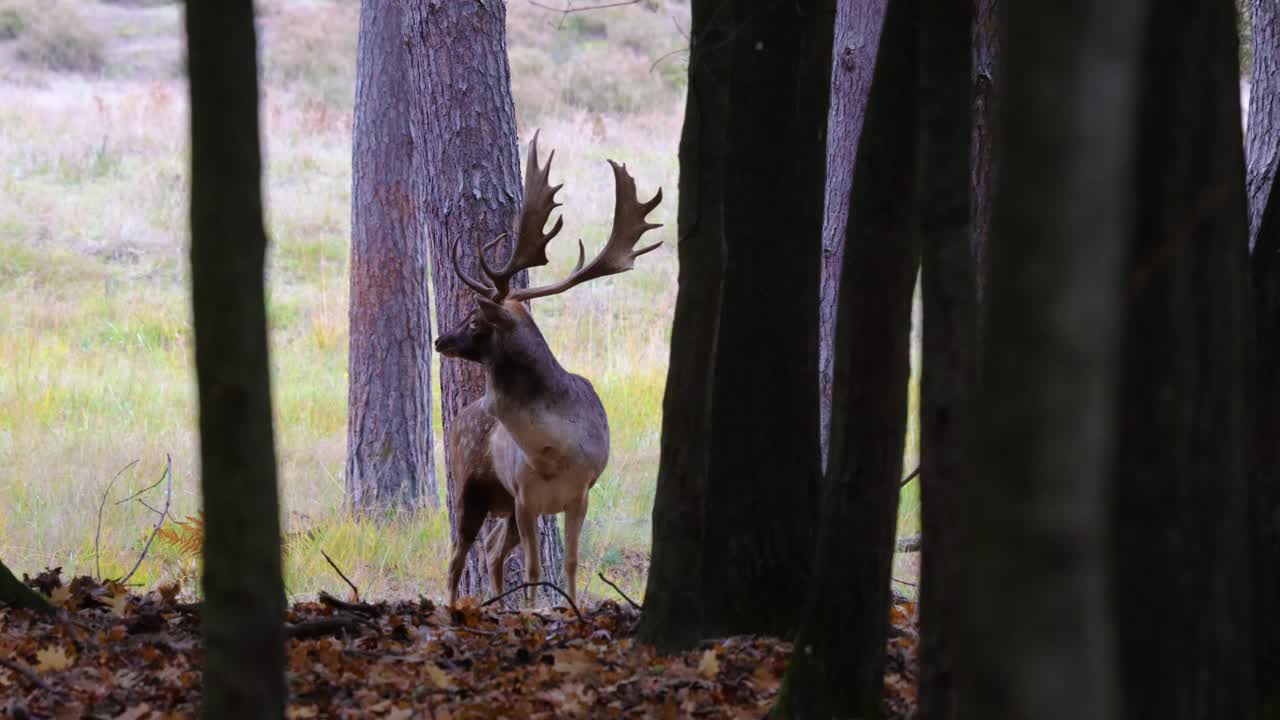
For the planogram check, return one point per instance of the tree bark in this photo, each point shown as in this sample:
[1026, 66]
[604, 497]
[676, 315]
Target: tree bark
[243, 610]
[1034, 515]
[672, 607]
[948, 375]
[1264, 213]
[1181, 625]
[853, 59]
[765, 459]
[988, 21]
[464, 132]
[837, 668]
[389, 453]
[15, 594]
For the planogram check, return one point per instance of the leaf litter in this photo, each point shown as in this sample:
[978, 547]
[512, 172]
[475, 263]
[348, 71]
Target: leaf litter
[107, 653]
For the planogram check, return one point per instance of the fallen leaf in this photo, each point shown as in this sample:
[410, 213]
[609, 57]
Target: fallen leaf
[53, 659]
[709, 665]
[439, 677]
[301, 712]
[135, 713]
[61, 596]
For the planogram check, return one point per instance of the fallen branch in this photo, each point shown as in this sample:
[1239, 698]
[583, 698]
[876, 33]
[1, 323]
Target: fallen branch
[522, 586]
[342, 575]
[362, 608]
[618, 590]
[30, 675]
[168, 497]
[97, 535]
[325, 626]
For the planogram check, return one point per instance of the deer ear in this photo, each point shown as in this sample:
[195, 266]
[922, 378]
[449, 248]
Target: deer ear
[494, 314]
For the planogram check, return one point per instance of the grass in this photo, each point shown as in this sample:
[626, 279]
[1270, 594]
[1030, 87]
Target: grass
[95, 337]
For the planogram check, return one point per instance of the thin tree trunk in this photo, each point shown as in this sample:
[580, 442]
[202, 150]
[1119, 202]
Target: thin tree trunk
[853, 59]
[389, 453]
[672, 604]
[15, 594]
[1264, 213]
[986, 109]
[1178, 550]
[464, 131]
[243, 611]
[948, 376]
[837, 668]
[1034, 515]
[765, 461]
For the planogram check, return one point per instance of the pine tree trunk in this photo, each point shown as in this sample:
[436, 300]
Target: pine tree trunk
[765, 463]
[1034, 515]
[988, 20]
[464, 131]
[242, 615]
[948, 376]
[15, 594]
[389, 453]
[837, 668]
[1264, 214]
[853, 60]
[672, 602]
[1178, 553]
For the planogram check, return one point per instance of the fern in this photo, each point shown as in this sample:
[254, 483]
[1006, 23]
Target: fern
[185, 536]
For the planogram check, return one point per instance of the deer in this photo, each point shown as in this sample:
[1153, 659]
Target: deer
[537, 440]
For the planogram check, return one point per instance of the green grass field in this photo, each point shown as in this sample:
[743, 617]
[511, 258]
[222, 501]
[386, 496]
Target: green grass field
[95, 351]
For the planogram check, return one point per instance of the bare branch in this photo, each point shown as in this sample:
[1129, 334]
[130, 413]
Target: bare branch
[342, 575]
[914, 474]
[97, 535]
[168, 497]
[570, 9]
[27, 673]
[618, 590]
[522, 586]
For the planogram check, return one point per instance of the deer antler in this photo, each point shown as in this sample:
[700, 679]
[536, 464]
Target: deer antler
[618, 254]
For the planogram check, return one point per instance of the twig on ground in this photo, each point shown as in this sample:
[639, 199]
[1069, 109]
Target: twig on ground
[474, 631]
[363, 608]
[914, 474]
[618, 590]
[906, 582]
[168, 497]
[30, 675]
[584, 8]
[325, 626]
[341, 574]
[97, 535]
[522, 586]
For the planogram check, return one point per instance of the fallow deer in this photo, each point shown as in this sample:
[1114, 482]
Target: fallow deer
[538, 439]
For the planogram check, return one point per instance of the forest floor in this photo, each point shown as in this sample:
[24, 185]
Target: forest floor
[107, 653]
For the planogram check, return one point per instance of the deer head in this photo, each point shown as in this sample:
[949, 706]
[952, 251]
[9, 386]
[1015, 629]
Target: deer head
[499, 325]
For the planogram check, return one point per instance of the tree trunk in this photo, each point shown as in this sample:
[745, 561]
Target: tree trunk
[1178, 553]
[243, 611]
[464, 132]
[15, 594]
[1033, 517]
[1264, 213]
[672, 605]
[837, 669]
[761, 501]
[853, 59]
[986, 108]
[389, 454]
[948, 375]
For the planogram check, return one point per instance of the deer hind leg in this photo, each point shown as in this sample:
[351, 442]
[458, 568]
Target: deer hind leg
[498, 545]
[574, 515]
[527, 524]
[471, 519]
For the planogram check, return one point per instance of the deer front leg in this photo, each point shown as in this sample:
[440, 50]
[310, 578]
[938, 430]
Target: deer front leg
[527, 524]
[574, 515]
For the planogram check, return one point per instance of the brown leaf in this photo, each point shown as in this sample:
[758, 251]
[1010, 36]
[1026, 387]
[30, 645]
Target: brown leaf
[53, 659]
